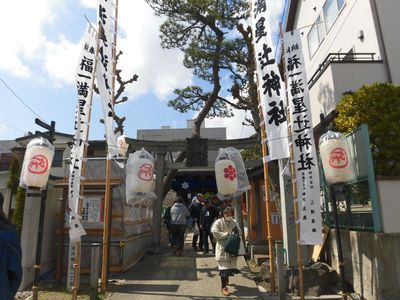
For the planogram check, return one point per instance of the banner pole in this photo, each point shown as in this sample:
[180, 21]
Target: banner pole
[77, 261]
[107, 197]
[268, 202]
[266, 181]
[294, 186]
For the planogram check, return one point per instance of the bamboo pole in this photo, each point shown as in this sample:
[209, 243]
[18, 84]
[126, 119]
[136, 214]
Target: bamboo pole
[107, 196]
[77, 261]
[268, 201]
[294, 186]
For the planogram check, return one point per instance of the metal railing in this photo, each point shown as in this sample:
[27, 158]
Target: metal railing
[340, 58]
[354, 207]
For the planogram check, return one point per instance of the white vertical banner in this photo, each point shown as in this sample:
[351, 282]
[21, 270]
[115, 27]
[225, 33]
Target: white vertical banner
[84, 86]
[104, 70]
[304, 153]
[270, 84]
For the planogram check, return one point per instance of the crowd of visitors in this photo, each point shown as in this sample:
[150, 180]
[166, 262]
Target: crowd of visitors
[211, 222]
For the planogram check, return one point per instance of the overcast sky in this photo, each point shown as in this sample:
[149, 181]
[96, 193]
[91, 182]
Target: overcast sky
[41, 42]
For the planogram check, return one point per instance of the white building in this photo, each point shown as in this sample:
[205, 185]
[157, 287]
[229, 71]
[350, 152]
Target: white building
[346, 44]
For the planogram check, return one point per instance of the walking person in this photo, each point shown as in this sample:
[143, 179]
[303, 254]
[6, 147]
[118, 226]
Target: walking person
[221, 229]
[179, 217]
[218, 204]
[208, 215]
[167, 222]
[10, 257]
[195, 209]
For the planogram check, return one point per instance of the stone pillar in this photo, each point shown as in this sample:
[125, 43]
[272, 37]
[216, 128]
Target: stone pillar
[29, 234]
[288, 222]
[159, 170]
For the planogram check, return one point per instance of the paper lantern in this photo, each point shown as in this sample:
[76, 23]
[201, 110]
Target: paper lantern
[226, 176]
[139, 172]
[335, 157]
[122, 145]
[37, 163]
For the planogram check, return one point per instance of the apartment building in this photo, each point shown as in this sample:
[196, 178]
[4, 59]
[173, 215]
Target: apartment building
[346, 44]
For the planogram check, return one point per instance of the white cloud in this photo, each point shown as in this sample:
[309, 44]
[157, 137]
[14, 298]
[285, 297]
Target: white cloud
[234, 127]
[22, 23]
[3, 128]
[89, 3]
[159, 70]
[63, 54]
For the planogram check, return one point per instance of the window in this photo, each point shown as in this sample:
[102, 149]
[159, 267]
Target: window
[331, 11]
[58, 158]
[315, 36]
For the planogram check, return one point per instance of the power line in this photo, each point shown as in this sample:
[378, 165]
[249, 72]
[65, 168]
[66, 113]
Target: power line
[12, 127]
[19, 98]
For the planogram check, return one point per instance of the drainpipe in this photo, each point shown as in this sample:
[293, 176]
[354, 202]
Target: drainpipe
[381, 40]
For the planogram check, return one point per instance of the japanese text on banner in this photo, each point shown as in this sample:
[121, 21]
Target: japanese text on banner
[104, 71]
[304, 153]
[272, 90]
[84, 87]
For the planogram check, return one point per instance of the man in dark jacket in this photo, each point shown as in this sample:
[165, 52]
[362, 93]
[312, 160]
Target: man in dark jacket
[195, 209]
[10, 257]
[208, 215]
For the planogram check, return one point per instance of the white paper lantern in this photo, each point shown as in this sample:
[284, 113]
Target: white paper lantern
[139, 172]
[226, 176]
[122, 145]
[335, 157]
[37, 163]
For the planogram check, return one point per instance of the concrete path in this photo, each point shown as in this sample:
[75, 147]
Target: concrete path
[190, 276]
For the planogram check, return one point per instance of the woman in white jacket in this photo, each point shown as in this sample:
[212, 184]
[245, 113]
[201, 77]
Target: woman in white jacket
[226, 263]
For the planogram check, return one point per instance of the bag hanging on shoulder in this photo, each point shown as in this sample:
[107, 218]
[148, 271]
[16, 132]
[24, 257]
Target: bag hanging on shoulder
[232, 244]
[196, 230]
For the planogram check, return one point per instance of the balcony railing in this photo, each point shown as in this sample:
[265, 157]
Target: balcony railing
[340, 58]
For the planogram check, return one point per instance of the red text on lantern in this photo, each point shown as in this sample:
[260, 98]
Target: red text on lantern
[38, 164]
[146, 172]
[338, 158]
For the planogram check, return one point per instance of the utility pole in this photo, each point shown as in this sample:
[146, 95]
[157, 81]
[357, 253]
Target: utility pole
[43, 196]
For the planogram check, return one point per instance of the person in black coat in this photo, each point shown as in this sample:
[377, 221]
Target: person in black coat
[10, 257]
[195, 209]
[208, 215]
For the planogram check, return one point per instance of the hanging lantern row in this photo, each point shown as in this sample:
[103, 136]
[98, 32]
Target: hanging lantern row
[336, 159]
[37, 163]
